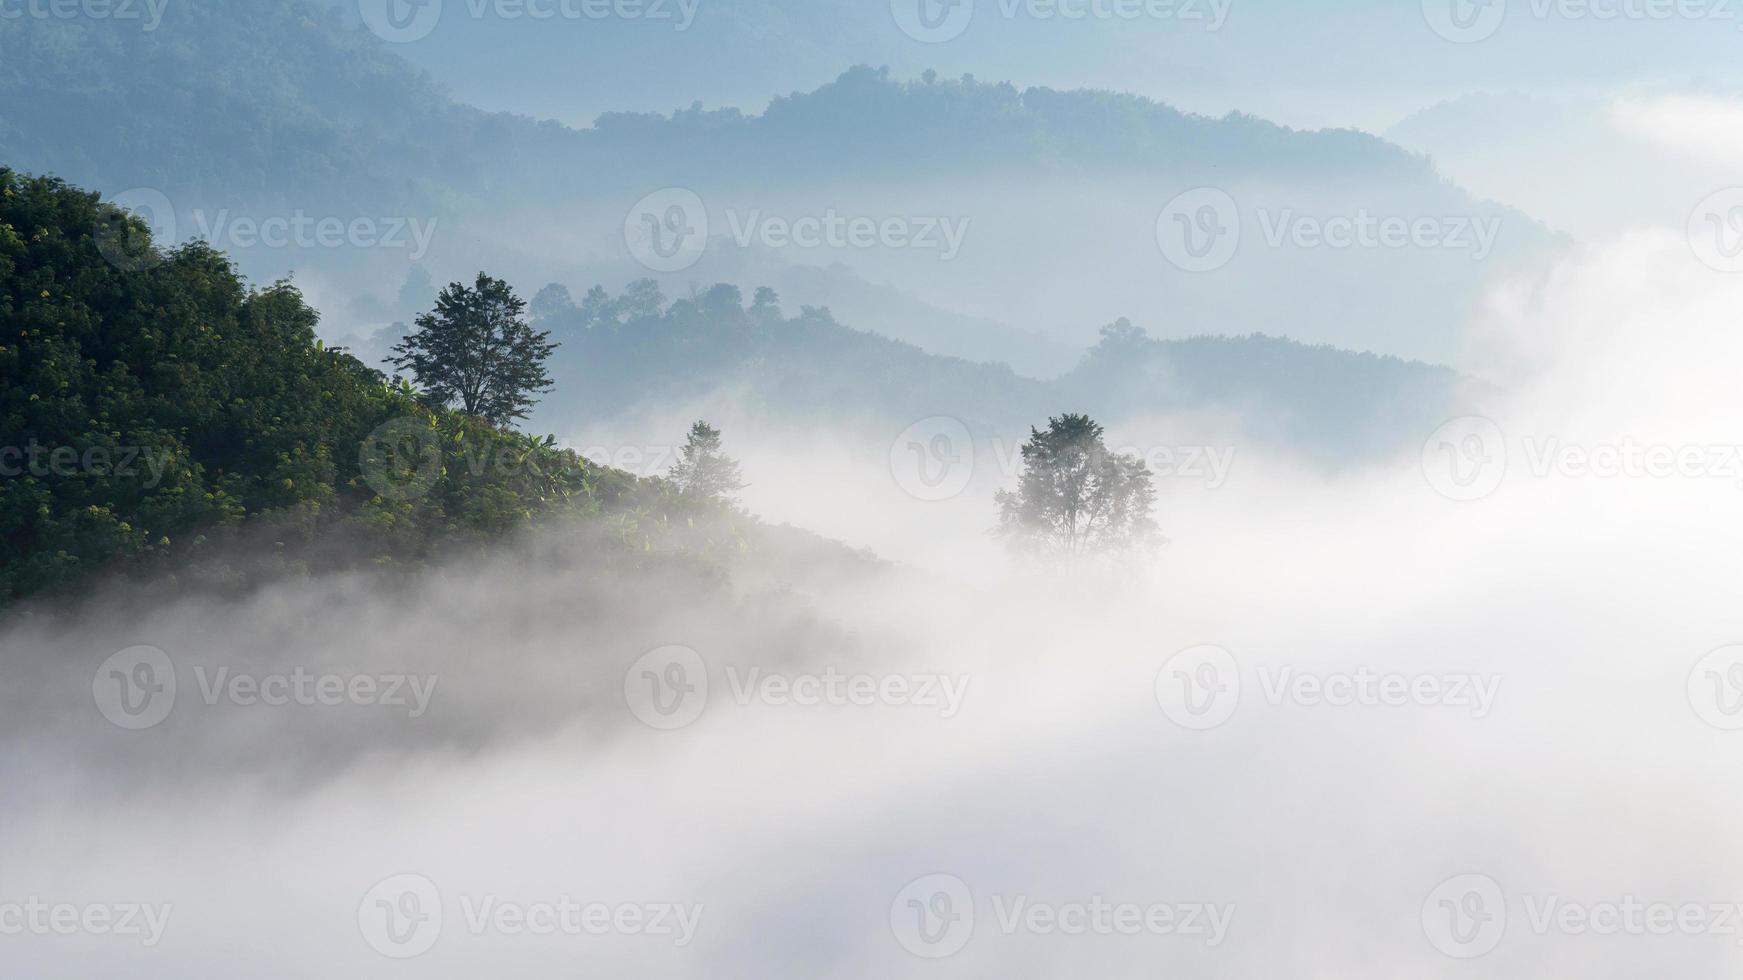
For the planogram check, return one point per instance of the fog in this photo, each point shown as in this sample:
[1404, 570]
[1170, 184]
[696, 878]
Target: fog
[1033, 745]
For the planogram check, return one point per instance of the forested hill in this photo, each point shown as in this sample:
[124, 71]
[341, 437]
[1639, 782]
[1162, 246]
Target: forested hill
[638, 350]
[268, 100]
[232, 116]
[158, 414]
[301, 104]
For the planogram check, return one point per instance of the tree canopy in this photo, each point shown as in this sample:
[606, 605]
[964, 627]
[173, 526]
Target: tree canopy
[476, 349]
[703, 471]
[1075, 497]
[161, 409]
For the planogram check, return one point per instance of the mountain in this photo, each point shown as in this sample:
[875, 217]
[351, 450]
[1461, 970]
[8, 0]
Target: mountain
[637, 353]
[1057, 208]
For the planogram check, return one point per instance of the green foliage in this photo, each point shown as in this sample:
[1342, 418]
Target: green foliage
[172, 411]
[477, 349]
[1075, 497]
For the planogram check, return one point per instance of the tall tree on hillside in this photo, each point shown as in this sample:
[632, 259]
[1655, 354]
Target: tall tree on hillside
[703, 472]
[477, 349]
[1075, 497]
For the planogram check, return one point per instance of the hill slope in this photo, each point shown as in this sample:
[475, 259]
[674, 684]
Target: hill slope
[157, 407]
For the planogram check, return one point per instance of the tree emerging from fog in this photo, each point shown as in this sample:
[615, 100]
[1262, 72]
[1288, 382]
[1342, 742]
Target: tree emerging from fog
[1075, 497]
[477, 350]
[703, 472]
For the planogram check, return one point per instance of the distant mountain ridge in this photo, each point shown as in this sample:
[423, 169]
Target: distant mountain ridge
[288, 107]
[332, 112]
[636, 352]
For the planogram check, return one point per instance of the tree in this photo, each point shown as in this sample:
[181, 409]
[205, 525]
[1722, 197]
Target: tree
[598, 309]
[704, 472]
[641, 298]
[552, 301]
[477, 349]
[766, 305]
[1076, 498]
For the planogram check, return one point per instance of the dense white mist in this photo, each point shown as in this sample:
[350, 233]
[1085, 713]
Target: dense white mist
[1593, 164]
[1590, 776]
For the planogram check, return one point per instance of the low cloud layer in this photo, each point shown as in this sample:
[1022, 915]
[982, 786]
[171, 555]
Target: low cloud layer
[1342, 725]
